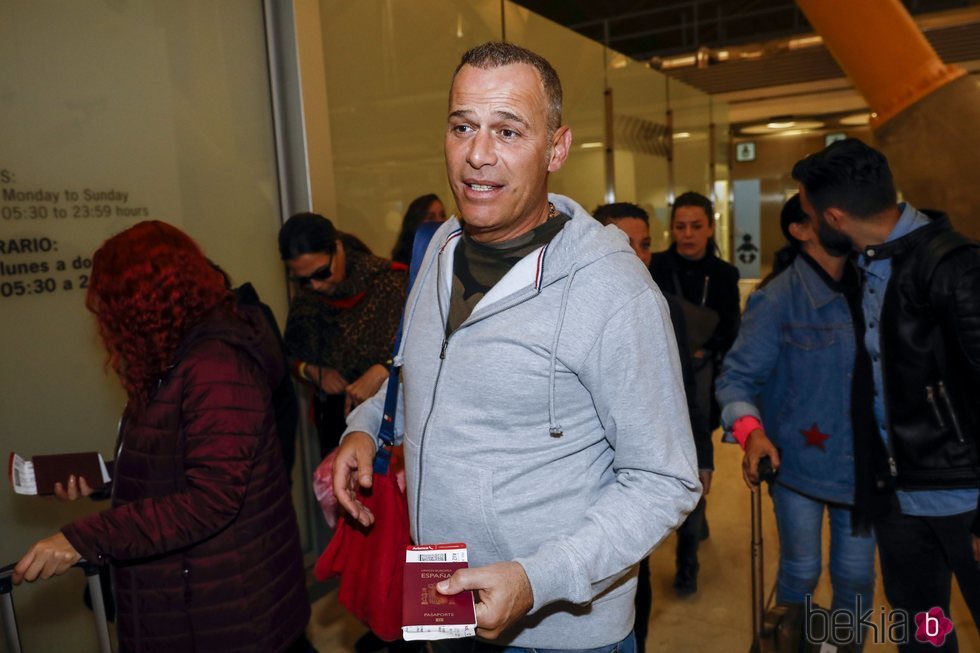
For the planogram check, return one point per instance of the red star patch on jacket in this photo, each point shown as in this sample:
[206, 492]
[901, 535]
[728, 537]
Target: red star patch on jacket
[814, 438]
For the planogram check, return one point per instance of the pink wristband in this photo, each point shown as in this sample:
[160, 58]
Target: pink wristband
[743, 426]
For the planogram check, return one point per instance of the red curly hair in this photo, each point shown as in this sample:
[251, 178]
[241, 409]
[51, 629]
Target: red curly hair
[150, 285]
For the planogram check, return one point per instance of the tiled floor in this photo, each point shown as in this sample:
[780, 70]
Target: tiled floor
[717, 618]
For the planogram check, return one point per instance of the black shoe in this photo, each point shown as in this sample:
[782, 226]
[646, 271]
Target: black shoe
[686, 582]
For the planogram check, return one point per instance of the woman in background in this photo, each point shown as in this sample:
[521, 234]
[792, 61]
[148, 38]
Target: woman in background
[342, 322]
[427, 208]
[201, 533]
[707, 288]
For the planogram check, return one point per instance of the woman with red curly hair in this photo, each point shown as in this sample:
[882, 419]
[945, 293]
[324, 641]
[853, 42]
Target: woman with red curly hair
[201, 533]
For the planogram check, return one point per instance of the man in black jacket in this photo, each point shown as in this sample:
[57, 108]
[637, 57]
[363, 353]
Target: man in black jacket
[921, 303]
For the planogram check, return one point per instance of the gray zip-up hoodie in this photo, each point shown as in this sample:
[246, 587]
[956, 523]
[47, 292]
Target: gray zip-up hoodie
[550, 428]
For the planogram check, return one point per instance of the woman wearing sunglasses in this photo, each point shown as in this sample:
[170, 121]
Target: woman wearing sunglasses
[343, 318]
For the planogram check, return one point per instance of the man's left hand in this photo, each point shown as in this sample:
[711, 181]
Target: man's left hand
[503, 594]
[365, 387]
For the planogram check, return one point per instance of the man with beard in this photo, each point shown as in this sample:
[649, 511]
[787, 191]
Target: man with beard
[544, 419]
[921, 304]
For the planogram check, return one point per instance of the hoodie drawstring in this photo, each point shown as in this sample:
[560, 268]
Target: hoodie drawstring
[554, 428]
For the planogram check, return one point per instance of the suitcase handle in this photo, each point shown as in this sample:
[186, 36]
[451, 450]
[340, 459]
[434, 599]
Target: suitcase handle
[10, 619]
[766, 473]
[7, 572]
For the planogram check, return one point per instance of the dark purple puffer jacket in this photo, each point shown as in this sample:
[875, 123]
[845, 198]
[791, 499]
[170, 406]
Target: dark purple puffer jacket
[202, 534]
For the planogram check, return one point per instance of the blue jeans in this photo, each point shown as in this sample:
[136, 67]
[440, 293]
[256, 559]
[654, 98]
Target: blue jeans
[470, 645]
[799, 520]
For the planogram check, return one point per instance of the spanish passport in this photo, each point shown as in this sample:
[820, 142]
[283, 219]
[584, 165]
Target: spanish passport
[38, 475]
[427, 614]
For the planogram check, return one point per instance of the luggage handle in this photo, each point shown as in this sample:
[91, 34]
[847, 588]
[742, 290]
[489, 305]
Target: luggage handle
[766, 472]
[11, 633]
[767, 475]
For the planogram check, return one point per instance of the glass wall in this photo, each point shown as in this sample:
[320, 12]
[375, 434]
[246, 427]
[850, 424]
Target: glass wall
[388, 67]
[579, 62]
[113, 112]
[387, 106]
[721, 135]
[641, 141]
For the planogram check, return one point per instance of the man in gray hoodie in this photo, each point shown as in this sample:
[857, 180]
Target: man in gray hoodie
[543, 413]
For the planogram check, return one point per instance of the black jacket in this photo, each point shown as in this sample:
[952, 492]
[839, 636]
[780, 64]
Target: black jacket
[722, 290]
[699, 421]
[715, 281]
[930, 346]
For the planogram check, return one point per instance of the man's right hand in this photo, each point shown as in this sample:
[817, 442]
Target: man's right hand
[757, 446]
[353, 467]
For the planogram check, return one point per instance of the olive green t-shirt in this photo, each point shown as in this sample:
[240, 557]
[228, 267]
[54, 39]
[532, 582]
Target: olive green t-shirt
[477, 267]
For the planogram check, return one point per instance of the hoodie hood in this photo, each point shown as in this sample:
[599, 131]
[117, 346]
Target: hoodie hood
[245, 328]
[583, 241]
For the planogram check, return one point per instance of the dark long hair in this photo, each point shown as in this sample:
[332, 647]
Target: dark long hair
[414, 216]
[791, 213]
[306, 233]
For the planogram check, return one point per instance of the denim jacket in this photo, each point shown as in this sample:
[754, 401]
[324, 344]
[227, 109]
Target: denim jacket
[791, 367]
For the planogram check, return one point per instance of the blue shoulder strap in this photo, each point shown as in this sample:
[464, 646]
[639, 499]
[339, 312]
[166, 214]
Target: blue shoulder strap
[387, 430]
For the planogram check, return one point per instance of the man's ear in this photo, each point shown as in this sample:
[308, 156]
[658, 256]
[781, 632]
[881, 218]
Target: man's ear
[561, 144]
[801, 231]
[835, 217]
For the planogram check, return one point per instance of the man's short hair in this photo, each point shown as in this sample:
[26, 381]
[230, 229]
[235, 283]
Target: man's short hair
[494, 54]
[847, 175]
[691, 198]
[609, 212]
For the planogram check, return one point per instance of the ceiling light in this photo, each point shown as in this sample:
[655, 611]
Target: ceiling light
[774, 126]
[679, 62]
[856, 119]
[682, 135]
[805, 42]
[591, 145]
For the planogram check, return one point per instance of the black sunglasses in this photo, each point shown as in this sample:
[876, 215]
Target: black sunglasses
[320, 274]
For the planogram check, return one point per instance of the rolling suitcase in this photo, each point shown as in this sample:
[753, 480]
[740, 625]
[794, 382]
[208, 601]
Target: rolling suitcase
[10, 631]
